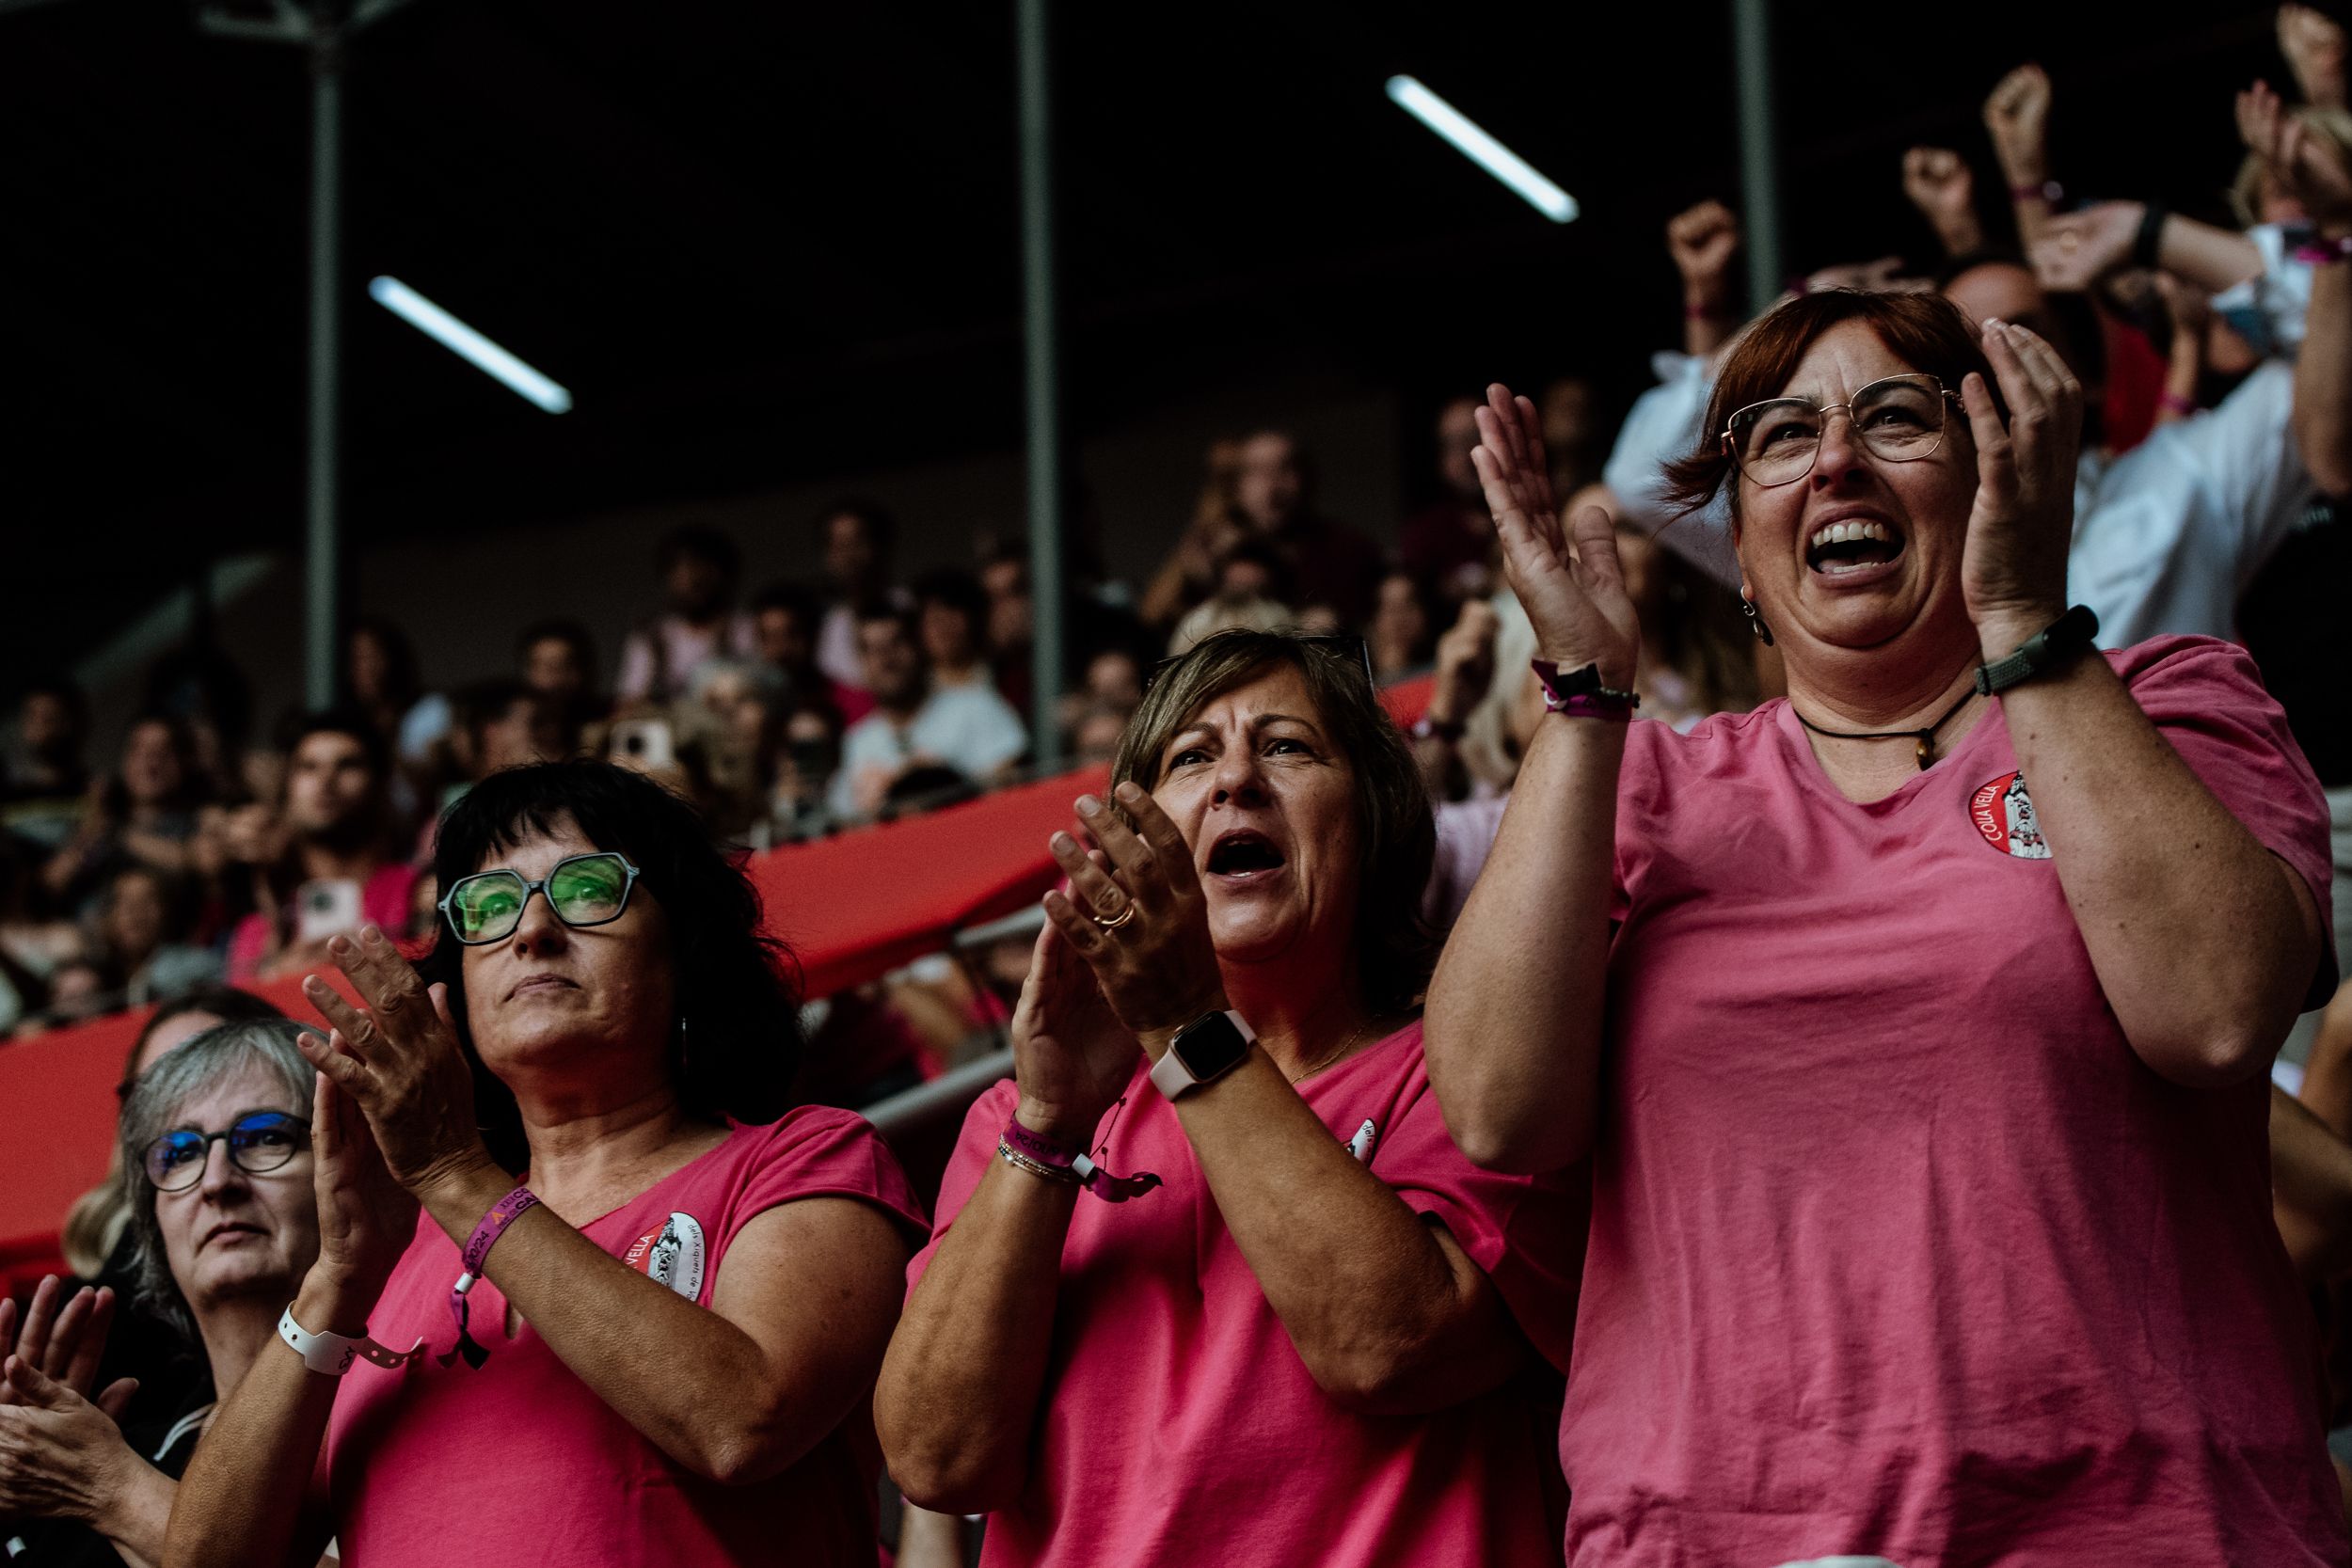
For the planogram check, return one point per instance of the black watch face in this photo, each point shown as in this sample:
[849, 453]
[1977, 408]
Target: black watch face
[1210, 1047]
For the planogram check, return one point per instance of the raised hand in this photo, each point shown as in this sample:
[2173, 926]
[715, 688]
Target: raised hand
[1575, 595]
[400, 1059]
[1157, 967]
[63, 1343]
[61, 1457]
[2078, 248]
[2312, 42]
[1703, 240]
[366, 1218]
[1940, 183]
[1466, 662]
[2302, 162]
[1070, 1056]
[2017, 113]
[2189, 307]
[2013, 565]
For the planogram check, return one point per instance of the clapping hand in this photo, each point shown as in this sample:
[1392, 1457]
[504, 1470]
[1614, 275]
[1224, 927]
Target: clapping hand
[1072, 1057]
[1136, 912]
[2013, 566]
[61, 1456]
[1574, 594]
[64, 1345]
[400, 1060]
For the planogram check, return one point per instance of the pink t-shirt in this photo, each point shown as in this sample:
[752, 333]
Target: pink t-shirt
[1179, 1426]
[519, 1463]
[384, 900]
[1896, 1247]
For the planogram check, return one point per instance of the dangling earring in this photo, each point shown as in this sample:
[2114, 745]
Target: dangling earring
[1755, 622]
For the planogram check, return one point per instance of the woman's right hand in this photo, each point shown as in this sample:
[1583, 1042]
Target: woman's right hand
[1072, 1057]
[366, 1218]
[1572, 591]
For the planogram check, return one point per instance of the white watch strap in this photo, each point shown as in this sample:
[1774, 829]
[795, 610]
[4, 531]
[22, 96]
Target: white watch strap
[333, 1353]
[1171, 1077]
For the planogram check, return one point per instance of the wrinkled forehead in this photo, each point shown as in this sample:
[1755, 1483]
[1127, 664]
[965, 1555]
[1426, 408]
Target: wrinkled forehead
[1839, 363]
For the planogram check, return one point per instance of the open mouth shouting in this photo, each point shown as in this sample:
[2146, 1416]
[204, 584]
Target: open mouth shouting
[1851, 546]
[1244, 857]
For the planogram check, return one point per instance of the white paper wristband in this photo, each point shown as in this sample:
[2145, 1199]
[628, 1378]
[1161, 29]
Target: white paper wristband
[333, 1353]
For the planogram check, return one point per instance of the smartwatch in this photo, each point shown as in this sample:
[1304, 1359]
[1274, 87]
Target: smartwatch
[1203, 1052]
[2054, 646]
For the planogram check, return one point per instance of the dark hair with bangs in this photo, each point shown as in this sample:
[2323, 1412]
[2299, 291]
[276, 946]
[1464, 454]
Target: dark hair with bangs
[1926, 331]
[737, 1043]
[1395, 825]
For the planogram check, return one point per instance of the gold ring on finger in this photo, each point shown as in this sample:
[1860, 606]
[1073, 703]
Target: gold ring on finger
[1126, 912]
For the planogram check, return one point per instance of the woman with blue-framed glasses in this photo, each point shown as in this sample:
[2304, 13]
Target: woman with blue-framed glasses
[580, 1244]
[215, 1177]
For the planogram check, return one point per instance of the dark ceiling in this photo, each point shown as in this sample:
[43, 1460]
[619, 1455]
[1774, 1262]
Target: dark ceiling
[766, 243]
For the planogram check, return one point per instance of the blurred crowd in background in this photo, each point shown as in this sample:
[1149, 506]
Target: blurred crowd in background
[218, 844]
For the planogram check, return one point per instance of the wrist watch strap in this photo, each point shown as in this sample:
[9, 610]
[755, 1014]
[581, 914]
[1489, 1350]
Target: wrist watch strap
[1172, 1075]
[333, 1353]
[2052, 647]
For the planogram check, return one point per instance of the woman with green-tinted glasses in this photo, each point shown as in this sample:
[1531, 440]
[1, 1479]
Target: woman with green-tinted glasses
[639, 1317]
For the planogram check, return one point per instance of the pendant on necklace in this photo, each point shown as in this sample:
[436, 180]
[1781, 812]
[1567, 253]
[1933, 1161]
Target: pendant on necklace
[1926, 749]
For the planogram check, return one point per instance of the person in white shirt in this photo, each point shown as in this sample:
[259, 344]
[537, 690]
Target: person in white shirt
[916, 723]
[699, 621]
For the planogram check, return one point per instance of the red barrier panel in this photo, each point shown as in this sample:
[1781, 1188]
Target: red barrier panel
[852, 908]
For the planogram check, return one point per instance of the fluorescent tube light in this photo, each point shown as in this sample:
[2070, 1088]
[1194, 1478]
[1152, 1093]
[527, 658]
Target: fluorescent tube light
[1481, 148]
[464, 342]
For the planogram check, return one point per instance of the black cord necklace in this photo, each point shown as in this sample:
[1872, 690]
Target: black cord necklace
[1925, 737]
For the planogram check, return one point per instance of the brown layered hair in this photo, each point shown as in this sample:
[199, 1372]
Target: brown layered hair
[1395, 825]
[1927, 332]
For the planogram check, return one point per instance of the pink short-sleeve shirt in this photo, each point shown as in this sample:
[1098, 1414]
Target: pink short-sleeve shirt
[518, 1464]
[1897, 1248]
[1179, 1427]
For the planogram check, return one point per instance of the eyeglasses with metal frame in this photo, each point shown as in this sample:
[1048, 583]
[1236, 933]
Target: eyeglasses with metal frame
[1900, 418]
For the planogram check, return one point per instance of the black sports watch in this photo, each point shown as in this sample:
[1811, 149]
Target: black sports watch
[2053, 647]
[1203, 1051]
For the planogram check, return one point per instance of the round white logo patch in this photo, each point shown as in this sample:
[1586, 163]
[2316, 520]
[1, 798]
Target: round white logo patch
[671, 1253]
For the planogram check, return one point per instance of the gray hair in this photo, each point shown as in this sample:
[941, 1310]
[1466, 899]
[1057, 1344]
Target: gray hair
[153, 1109]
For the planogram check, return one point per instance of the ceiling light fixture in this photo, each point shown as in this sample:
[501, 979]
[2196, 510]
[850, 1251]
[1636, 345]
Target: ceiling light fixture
[464, 342]
[1473, 143]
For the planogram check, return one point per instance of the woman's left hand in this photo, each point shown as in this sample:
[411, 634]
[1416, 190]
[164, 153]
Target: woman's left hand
[400, 1059]
[2013, 568]
[61, 1457]
[1157, 964]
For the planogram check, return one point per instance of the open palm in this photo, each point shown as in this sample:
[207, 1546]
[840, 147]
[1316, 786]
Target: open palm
[1572, 589]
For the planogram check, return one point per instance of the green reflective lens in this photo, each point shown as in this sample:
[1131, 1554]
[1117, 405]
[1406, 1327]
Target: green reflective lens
[487, 905]
[588, 890]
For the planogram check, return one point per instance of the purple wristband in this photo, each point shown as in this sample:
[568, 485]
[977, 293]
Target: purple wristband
[505, 1212]
[1061, 1163]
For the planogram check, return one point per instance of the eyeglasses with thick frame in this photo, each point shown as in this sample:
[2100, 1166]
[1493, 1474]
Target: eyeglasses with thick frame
[1899, 444]
[483, 883]
[259, 1143]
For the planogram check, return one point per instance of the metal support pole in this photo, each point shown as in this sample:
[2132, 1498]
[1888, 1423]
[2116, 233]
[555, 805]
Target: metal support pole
[1041, 342]
[322, 560]
[1759, 152]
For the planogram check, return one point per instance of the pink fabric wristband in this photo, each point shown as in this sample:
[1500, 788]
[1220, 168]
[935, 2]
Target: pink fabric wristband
[1062, 1164]
[505, 1212]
